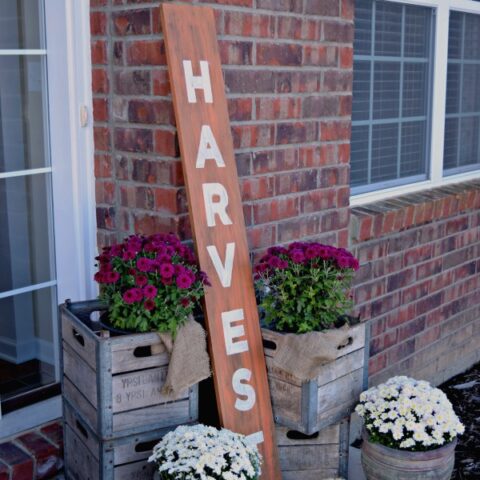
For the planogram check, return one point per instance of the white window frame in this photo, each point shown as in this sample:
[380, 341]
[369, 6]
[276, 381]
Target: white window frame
[439, 92]
[73, 180]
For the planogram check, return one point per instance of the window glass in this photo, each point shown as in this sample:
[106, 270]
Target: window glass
[462, 122]
[391, 94]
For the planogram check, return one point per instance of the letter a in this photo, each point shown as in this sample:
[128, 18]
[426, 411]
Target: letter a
[201, 82]
[208, 149]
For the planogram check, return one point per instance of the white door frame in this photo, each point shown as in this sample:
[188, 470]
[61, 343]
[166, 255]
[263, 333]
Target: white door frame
[73, 180]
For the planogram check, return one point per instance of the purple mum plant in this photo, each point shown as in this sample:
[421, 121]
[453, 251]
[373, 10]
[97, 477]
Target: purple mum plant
[150, 283]
[305, 287]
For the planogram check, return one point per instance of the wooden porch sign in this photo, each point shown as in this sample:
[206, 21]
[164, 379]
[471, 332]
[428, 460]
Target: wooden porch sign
[216, 215]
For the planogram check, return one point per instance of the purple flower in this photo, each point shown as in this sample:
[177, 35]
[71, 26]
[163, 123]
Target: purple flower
[283, 264]
[311, 252]
[144, 264]
[273, 262]
[150, 291]
[129, 296]
[128, 255]
[149, 304]
[297, 256]
[99, 277]
[167, 270]
[141, 280]
[185, 302]
[184, 281]
[343, 261]
[204, 279]
[138, 294]
[112, 277]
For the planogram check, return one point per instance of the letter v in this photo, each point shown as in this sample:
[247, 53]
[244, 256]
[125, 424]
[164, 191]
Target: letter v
[224, 270]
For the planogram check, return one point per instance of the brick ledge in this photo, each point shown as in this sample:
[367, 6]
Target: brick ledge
[406, 211]
[33, 455]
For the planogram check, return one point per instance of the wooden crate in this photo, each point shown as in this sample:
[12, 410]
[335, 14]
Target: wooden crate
[310, 406]
[323, 455]
[87, 457]
[115, 383]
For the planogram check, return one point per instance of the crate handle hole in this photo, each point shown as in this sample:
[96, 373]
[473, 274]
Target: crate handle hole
[82, 429]
[294, 435]
[269, 344]
[146, 446]
[78, 337]
[348, 342]
[142, 352]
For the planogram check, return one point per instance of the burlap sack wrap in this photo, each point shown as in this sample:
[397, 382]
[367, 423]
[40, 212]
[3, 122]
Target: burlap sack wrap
[189, 360]
[303, 355]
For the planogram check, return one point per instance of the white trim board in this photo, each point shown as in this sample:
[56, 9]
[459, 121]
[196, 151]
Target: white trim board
[30, 417]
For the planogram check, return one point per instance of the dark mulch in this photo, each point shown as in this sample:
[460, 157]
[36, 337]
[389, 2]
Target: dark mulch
[464, 393]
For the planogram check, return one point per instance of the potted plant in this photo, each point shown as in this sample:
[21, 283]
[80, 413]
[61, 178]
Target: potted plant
[410, 431]
[137, 368]
[304, 293]
[149, 284]
[202, 452]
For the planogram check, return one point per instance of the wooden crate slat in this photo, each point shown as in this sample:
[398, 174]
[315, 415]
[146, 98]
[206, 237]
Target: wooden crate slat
[341, 367]
[340, 392]
[329, 435]
[323, 474]
[82, 344]
[309, 457]
[80, 462]
[80, 374]
[75, 397]
[173, 413]
[286, 401]
[135, 471]
[132, 353]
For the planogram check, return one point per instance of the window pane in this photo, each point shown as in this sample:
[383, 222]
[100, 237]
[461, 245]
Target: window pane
[415, 77]
[363, 26]
[413, 149]
[388, 29]
[384, 152]
[27, 341]
[25, 238]
[386, 85]
[394, 107]
[462, 122]
[417, 31]
[453, 94]
[20, 24]
[22, 115]
[361, 87]
[469, 128]
[359, 162]
[450, 152]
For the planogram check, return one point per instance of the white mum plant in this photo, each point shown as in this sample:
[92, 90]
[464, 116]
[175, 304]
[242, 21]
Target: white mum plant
[408, 414]
[205, 453]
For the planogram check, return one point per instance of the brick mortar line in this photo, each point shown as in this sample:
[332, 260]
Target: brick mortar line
[419, 299]
[426, 346]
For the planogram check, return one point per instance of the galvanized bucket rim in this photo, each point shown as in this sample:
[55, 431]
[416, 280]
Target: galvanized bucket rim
[438, 452]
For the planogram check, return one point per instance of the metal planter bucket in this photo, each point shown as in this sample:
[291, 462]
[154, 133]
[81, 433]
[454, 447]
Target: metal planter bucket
[384, 463]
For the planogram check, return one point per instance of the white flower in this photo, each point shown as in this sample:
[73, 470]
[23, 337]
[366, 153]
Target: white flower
[410, 413]
[207, 453]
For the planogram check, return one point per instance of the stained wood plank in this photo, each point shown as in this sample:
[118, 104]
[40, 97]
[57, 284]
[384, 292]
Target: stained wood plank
[190, 36]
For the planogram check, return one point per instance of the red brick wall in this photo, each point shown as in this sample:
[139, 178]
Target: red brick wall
[288, 74]
[419, 282]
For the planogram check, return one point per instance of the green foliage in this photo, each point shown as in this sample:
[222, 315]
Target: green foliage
[305, 292]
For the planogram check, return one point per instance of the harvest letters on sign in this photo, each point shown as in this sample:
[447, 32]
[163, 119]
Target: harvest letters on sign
[216, 216]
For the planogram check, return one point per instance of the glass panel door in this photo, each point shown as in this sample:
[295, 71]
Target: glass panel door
[28, 349]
